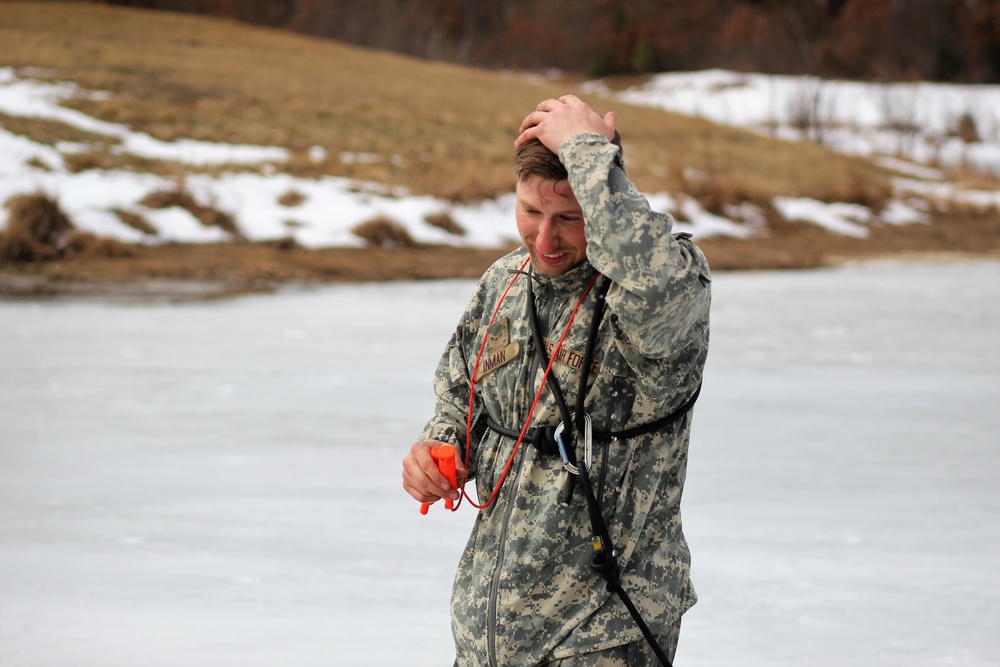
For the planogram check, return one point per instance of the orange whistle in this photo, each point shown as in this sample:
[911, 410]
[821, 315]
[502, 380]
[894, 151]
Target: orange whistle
[444, 455]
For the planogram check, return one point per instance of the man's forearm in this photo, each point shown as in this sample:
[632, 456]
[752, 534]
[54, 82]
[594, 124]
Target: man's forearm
[661, 282]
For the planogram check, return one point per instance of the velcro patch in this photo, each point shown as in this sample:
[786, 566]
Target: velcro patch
[495, 360]
[571, 358]
[497, 336]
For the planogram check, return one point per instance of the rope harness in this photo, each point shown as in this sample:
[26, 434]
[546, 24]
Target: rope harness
[470, 418]
[558, 441]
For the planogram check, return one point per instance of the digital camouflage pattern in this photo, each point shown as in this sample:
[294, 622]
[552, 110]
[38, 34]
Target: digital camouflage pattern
[524, 592]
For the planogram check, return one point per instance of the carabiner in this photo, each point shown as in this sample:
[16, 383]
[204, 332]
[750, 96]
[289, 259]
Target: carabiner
[588, 446]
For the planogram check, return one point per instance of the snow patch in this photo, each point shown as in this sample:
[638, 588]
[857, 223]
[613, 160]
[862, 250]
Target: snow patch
[846, 219]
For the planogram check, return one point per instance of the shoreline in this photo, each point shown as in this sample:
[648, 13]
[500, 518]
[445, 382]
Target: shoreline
[254, 271]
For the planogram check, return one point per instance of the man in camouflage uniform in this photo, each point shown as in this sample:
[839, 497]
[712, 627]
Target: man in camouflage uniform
[525, 593]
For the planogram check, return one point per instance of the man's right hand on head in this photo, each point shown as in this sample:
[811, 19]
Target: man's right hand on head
[421, 477]
[554, 121]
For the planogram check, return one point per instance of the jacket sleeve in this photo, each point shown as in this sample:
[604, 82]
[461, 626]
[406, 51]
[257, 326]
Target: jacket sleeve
[661, 281]
[451, 381]
[451, 388]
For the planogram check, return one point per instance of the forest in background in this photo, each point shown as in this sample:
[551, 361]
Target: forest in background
[875, 40]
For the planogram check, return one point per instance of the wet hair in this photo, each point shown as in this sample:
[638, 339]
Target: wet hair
[533, 160]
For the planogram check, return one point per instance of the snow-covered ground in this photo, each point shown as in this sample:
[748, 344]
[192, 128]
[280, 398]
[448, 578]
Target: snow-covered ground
[907, 127]
[920, 121]
[217, 483]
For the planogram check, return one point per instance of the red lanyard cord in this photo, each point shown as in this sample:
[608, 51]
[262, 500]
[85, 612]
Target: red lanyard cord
[534, 403]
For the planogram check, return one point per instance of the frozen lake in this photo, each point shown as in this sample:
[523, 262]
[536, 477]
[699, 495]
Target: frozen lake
[218, 484]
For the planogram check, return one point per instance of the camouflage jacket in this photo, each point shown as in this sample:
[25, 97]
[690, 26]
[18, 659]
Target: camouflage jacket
[524, 591]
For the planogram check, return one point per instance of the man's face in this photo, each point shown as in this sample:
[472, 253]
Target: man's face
[550, 222]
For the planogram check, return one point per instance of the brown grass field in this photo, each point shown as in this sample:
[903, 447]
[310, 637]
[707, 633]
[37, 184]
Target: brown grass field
[437, 129]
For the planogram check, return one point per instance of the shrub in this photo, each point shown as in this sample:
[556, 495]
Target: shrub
[807, 112]
[384, 232]
[37, 217]
[966, 129]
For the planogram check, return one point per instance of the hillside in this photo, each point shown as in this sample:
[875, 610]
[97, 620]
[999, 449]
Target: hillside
[875, 40]
[379, 127]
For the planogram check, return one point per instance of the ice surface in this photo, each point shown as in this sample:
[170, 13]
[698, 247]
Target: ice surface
[217, 483]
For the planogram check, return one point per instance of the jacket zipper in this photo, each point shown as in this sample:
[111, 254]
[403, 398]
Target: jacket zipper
[491, 622]
[492, 603]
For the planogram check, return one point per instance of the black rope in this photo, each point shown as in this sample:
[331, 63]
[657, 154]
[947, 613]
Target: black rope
[655, 425]
[605, 561]
[543, 437]
[536, 336]
[588, 355]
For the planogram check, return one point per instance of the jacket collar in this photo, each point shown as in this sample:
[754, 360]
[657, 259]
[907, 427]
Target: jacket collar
[573, 281]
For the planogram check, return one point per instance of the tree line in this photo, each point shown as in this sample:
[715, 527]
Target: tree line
[882, 40]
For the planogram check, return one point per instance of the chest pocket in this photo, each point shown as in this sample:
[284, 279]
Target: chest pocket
[614, 393]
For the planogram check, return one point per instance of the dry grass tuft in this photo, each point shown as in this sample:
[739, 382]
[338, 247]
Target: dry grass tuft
[285, 244]
[25, 249]
[37, 217]
[160, 199]
[715, 192]
[291, 198]
[36, 163]
[136, 221]
[384, 232]
[39, 231]
[966, 128]
[85, 244]
[36, 228]
[443, 220]
[206, 215]
[213, 217]
[871, 193]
